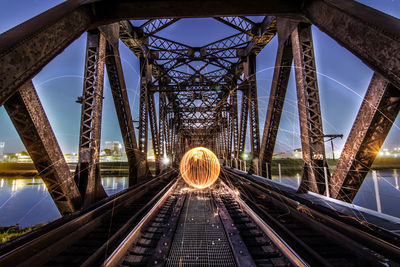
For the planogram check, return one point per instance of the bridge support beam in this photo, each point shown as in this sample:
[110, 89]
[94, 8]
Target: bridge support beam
[244, 112]
[311, 131]
[369, 34]
[145, 79]
[27, 48]
[87, 175]
[121, 102]
[379, 109]
[30, 121]
[162, 114]
[283, 64]
[250, 71]
[235, 126]
[154, 129]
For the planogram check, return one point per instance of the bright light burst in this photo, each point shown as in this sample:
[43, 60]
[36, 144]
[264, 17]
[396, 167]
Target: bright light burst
[199, 167]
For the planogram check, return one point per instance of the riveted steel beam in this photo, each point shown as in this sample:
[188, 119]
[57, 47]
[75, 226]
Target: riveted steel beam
[145, 79]
[30, 121]
[118, 10]
[244, 112]
[27, 48]
[122, 107]
[379, 109]
[311, 131]
[283, 63]
[251, 82]
[87, 174]
[369, 34]
[154, 129]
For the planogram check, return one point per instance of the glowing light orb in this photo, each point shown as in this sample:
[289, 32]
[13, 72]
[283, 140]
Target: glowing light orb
[199, 167]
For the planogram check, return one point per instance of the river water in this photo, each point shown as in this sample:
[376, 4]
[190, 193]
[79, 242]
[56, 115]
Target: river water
[27, 202]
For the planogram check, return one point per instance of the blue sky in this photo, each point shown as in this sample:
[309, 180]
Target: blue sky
[343, 80]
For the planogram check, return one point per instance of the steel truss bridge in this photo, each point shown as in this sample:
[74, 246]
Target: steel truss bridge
[198, 87]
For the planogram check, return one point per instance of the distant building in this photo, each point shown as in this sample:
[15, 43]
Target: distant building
[389, 153]
[113, 148]
[2, 145]
[23, 157]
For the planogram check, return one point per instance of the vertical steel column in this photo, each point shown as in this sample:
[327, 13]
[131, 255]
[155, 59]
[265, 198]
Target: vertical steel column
[30, 120]
[309, 110]
[377, 113]
[87, 175]
[243, 121]
[162, 124]
[250, 71]
[235, 126]
[145, 78]
[283, 63]
[121, 102]
[154, 129]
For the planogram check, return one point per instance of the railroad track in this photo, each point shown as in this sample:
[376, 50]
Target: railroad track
[203, 228]
[319, 239]
[87, 237]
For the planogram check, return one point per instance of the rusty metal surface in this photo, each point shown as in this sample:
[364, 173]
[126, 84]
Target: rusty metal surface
[87, 174]
[311, 131]
[379, 109]
[27, 48]
[121, 102]
[30, 121]
[283, 64]
[371, 35]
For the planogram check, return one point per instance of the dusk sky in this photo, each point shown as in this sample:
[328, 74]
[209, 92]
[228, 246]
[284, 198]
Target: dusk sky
[343, 81]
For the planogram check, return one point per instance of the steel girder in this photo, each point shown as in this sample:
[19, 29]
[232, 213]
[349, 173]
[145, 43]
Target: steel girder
[244, 111]
[162, 123]
[235, 123]
[87, 174]
[250, 74]
[27, 48]
[283, 64]
[30, 121]
[154, 129]
[379, 109]
[311, 131]
[145, 79]
[371, 35]
[136, 160]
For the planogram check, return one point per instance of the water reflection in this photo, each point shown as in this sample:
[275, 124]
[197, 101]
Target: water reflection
[27, 202]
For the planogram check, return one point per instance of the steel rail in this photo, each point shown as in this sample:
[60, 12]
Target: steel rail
[331, 225]
[290, 253]
[94, 258]
[44, 247]
[116, 256]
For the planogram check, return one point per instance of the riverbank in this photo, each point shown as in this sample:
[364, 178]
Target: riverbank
[293, 167]
[289, 167]
[25, 170]
[11, 232]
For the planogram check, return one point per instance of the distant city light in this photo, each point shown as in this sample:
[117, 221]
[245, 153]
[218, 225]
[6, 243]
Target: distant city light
[166, 161]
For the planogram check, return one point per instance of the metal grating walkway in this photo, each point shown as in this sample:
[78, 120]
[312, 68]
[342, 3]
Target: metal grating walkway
[200, 238]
